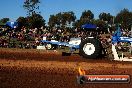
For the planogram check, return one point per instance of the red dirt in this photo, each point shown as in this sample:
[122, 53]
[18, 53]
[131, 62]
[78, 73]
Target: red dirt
[51, 70]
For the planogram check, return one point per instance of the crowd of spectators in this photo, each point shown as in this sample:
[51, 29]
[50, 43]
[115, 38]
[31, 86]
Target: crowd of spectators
[30, 38]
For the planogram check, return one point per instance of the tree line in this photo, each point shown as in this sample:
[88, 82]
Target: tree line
[68, 19]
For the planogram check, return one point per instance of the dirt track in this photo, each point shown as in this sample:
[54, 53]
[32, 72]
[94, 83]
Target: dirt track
[51, 70]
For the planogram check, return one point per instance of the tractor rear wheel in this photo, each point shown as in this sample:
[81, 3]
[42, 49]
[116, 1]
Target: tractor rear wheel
[90, 48]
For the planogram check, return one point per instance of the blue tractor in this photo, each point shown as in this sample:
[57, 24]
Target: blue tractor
[90, 46]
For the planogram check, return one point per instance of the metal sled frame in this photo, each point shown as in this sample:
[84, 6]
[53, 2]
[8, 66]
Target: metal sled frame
[118, 38]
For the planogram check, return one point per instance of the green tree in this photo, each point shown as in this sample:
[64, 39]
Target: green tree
[22, 21]
[78, 23]
[4, 20]
[106, 17]
[67, 18]
[53, 21]
[62, 19]
[31, 6]
[124, 17]
[35, 21]
[102, 25]
[86, 16]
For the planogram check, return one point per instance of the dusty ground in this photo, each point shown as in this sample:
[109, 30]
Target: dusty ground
[48, 69]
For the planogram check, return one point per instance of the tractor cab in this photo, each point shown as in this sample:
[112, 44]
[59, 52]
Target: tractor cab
[90, 30]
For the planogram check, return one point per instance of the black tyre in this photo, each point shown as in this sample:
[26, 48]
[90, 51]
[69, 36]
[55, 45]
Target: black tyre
[90, 48]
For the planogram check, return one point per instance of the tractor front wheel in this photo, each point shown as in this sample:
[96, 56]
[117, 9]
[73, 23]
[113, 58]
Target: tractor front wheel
[48, 46]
